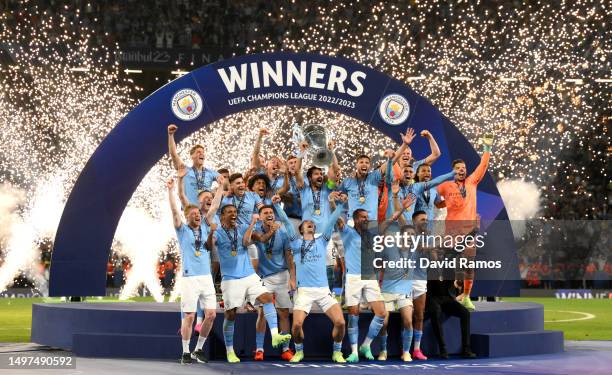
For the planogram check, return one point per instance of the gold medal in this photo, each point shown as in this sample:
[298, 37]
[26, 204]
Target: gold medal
[269, 255]
[234, 252]
[198, 253]
[199, 191]
[317, 212]
[361, 199]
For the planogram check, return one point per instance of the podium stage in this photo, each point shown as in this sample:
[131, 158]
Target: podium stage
[150, 330]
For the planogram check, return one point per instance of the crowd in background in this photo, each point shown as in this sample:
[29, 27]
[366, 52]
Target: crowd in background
[233, 25]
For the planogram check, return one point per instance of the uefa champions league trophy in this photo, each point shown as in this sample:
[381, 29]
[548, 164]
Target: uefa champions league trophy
[316, 137]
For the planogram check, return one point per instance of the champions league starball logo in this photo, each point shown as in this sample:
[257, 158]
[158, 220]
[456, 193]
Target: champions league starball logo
[186, 104]
[394, 109]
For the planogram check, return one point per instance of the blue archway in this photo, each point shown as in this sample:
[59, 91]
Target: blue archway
[132, 148]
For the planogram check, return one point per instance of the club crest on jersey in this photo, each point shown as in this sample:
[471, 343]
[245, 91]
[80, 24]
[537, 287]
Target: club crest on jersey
[394, 109]
[186, 104]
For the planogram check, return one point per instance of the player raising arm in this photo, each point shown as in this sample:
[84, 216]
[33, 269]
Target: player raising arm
[312, 286]
[198, 178]
[239, 283]
[197, 284]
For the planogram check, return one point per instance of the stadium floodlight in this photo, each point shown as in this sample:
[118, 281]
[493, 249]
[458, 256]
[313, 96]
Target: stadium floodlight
[461, 78]
[577, 81]
[603, 80]
[128, 71]
[508, 79]
[80, 69]
[179, 72]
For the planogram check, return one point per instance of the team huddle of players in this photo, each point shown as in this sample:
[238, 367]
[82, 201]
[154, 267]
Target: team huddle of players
[267, 232]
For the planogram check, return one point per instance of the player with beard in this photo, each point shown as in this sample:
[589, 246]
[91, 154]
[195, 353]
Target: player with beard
[276, 268]
[362, 188]
[311, 278]
[239, 283]
[208, 208]
[246, 202]
[461, 216]
[198, 178]
[405, 159]
[406, 186]
[314, 192]
[356, 288]
[197, 285]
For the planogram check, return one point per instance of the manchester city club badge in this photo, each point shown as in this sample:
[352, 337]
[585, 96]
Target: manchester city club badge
[394, 109]
[186, 104]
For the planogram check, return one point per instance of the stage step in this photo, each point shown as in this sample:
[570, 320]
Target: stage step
[149, 330]
[127, 345]
[506, 344]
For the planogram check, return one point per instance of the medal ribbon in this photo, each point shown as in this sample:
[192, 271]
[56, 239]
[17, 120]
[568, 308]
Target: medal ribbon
[198, 237]
[270, 244]
[240, 203]
[199, 177]
[274, 183]
[361, 185]
[305, 249]
[461, 189]
[316, 199]
[234, 239]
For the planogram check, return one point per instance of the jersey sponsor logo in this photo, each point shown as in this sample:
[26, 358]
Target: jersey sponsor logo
[394, 109]
[186, 104]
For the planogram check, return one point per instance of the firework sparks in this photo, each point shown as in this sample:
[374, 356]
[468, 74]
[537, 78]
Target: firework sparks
[530, 74]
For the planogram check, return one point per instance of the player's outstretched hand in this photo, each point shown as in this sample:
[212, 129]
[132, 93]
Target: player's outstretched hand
[172, 129]
[170, 183]
[408, 137]
[487, 139]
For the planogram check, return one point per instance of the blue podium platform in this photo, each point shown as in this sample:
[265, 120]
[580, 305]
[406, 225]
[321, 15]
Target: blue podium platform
[150, 330]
